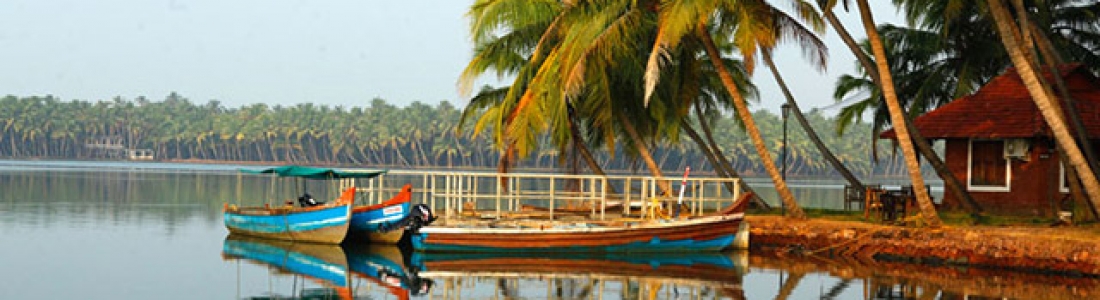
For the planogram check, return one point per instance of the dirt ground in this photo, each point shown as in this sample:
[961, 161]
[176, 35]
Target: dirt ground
[1072, 250]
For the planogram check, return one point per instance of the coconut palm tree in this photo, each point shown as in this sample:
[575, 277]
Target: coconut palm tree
[933, 70]
[1042, 94]
[897, 116]
[753, 25]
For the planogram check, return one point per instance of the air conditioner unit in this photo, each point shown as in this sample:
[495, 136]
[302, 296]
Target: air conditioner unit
[1017, 148]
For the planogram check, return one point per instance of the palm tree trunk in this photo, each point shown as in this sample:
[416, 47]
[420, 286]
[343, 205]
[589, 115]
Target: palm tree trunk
[706, 152]
[950, 181]
[1046, 49]
[643, 151]
[582, 149]
[810, 132]
[725, 163]
[789, 285]
[928, 211]
[1043, 98]
[1024, 35]
[505, 162]
[785, 194]
[1076, 191]
[850, 42]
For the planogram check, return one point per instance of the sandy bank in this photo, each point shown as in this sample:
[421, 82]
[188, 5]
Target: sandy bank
[1061, 250]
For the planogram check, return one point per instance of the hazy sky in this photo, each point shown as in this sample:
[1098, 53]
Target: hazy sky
[335, 52]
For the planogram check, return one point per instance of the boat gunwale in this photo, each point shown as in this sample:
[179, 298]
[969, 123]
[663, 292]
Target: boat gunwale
[447, 229]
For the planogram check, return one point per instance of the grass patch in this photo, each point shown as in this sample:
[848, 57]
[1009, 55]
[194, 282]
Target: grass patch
[956, 219]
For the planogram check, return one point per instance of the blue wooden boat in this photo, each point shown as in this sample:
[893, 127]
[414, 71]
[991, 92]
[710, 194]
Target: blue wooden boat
[325, 223]
[310, 222]
[372, 220]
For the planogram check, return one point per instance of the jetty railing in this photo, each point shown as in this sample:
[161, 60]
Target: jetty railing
[491, 195]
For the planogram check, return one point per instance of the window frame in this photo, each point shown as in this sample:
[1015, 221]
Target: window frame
[970, 169]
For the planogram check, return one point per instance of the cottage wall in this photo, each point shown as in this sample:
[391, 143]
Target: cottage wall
[1034, 184]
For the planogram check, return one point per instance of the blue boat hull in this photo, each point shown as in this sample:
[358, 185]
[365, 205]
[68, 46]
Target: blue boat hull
[367, 222]
[327, 225]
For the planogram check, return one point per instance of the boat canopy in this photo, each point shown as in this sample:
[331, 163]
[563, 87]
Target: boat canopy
[317, 173]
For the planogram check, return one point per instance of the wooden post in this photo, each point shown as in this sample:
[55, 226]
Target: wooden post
[603, 198]
[447, 196]
[552, 198]
[498, 195]
[626, 197]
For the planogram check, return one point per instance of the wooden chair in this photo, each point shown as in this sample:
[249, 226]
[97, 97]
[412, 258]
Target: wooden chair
[872, 201]
[910, 197]
[853, 195]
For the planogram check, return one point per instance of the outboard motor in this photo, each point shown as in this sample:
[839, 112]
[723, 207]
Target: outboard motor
[307, 200]
[419, 216]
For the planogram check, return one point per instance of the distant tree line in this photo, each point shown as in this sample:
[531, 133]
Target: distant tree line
[376, 135]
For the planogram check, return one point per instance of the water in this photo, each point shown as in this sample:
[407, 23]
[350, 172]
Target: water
[113, 230]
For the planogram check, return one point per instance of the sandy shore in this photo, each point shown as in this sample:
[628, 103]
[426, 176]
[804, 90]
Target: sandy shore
[1073, 251]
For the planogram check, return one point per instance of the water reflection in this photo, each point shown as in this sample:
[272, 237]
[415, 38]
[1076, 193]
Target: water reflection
[158, 234]
[387, 267]
[886, 280]
[326, 266]
[374, 272]
[605, 276]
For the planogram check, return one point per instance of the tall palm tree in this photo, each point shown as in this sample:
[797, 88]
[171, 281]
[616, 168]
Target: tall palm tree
[753, 25]
[928, 211]
[1044, 99]
[932, 71]
[584, 52]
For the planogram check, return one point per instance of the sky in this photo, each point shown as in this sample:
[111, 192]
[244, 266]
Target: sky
[285, 52]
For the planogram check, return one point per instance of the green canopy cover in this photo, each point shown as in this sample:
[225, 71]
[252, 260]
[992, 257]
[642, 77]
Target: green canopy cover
[316, 173]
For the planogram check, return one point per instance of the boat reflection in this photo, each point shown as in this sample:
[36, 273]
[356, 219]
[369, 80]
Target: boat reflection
[387, 266]
[323, 264]
[387, 272]
[604, 276]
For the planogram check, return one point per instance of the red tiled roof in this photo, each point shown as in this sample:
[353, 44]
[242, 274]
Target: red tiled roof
[1004, 109]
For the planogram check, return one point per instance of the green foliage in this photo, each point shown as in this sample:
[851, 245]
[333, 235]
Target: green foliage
[376, 135]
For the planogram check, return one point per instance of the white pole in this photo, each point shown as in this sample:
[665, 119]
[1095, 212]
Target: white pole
[680, 200]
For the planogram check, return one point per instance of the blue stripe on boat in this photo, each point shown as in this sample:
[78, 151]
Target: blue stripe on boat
[368, 221]
[295, 222]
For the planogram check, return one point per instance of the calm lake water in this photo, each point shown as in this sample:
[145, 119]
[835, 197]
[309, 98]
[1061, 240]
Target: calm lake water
[114, 230]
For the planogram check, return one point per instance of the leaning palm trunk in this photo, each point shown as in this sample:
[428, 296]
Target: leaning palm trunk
[712, 156]
[1042, 95]
[1046, 48]
[810, 132]
[643, 151]
[706, 152]
[725, 163]
[950, 181]
[742, 107]
[582, 149]
[928, 211]
[790, 285]
[1075, 189]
